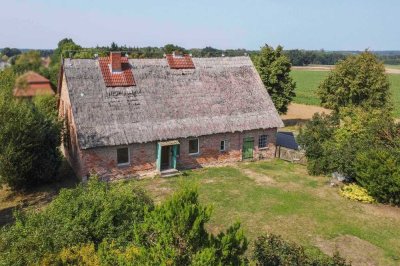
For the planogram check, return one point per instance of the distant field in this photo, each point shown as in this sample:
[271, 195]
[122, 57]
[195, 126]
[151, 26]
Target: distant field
[307, 82]
[393, 66]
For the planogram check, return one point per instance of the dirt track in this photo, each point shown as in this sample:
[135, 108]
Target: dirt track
[298, 111]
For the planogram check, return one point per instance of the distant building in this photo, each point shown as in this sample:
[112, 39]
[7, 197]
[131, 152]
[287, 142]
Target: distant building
[126, 116]
[32, 84]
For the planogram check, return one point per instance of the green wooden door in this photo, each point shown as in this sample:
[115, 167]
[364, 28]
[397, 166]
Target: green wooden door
[247, 151]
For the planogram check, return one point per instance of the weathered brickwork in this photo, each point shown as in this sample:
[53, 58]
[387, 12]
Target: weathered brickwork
[103, 161]
[70, 147]
[210, 154]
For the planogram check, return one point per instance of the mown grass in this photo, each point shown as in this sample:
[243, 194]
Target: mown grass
[307, 83]
[282, 198]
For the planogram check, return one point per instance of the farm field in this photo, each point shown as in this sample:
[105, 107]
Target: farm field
[308, 80]
[300, 207]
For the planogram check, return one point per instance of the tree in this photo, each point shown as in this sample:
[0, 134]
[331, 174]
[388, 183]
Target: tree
[28, 61]
[29, 144]
[274, 69]
[87, 214]
[10, 52]
[117, 224]
[378, 170]
[175, 233]
[360, 80]
[7, 80]
[313, 137]
[170, 48]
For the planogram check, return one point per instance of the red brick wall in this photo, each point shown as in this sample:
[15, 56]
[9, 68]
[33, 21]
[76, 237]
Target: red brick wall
[104, 160]
[210, 154]
[143, 156]
[70, 147]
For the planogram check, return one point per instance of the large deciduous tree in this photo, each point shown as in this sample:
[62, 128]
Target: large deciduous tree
[360, 80]
[29, 141]
[274, 69]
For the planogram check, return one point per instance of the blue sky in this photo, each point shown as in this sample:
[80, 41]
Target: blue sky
[306, 24]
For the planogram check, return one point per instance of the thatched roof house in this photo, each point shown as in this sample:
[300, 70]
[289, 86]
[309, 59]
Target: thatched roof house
[152, 100]
[31, 84]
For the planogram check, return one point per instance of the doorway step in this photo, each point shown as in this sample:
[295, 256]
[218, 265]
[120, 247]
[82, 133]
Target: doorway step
[169, 173]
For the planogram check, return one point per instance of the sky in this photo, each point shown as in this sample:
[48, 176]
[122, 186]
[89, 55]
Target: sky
[223, 24]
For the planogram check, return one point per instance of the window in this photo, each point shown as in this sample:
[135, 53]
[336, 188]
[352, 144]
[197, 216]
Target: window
[222, 146]
[262, 141]
[193, 146]
[123, 156]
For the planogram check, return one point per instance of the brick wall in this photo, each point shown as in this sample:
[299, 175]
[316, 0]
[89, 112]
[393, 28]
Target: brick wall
[104, 160]
[143, 156]
[69, 147]
[210, 154]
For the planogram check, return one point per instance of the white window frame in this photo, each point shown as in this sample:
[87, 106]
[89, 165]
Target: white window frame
[224, 149]
[198, 146]
[266, 142]
[129, 156]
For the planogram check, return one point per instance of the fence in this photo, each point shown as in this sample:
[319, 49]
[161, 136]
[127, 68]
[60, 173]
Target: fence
[290, 155]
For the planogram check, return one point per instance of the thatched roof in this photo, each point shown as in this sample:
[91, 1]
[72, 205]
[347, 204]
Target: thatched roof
[219, 95]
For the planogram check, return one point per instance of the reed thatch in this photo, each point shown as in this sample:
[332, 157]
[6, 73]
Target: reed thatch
[219, 95]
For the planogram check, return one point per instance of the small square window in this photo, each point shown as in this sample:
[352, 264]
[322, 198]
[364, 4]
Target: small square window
[123, 156]
[222, 146]
[193, 146]
[262, 141]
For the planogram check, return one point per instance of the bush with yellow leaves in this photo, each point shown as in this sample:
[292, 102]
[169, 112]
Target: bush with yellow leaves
[355, 192]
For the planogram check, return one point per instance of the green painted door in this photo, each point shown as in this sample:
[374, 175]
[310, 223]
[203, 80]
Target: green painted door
[247, 151]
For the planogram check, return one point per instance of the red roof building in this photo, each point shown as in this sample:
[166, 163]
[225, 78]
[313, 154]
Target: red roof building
[32, 84]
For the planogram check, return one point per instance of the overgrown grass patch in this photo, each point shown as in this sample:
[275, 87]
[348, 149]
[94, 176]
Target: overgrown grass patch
[300, 207]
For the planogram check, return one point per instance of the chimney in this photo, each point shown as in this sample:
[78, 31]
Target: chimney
[177, 54]
[115, 61]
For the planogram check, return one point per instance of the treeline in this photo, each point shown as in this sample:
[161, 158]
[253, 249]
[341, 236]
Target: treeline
[304, 57]
[297, 57]
[151, 52]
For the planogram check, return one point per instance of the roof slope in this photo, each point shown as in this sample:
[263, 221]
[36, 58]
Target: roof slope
[32, 84]
[219, 95]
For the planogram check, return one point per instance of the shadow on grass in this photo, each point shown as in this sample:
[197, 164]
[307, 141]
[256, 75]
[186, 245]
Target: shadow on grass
[294, 122]
[35, 197]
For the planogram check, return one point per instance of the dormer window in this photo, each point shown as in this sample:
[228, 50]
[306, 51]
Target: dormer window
[116, 70]
[178, 60]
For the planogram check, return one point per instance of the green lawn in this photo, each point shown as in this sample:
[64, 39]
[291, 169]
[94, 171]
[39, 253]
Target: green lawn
[282, 198]
[307, 82]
